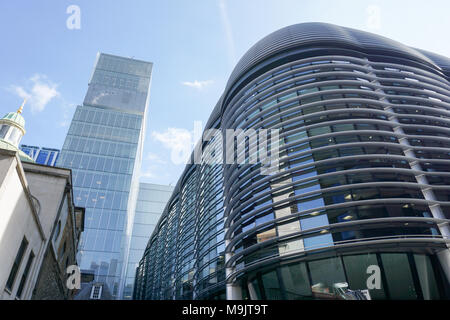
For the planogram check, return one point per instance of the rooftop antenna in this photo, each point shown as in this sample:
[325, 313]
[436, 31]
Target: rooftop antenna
[21, 107]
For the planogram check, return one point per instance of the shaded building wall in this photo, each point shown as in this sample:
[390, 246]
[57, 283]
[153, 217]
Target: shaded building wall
[50, 284]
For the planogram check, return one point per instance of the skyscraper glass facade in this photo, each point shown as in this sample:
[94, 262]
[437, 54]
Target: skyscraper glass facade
[45, 156]
[359, 205]
[151, 200]
[103, 148]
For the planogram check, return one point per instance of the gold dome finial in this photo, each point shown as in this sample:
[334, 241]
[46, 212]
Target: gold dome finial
[21, 107]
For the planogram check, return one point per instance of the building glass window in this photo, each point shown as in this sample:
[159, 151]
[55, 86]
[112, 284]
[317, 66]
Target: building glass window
[25, 274]
[16, 264]
[356, 267]
[426, 277]
[271, 286]
[398, 276]
[42, 157]
[327, 275]
[296, 282]
[3, 130]
[15, 136]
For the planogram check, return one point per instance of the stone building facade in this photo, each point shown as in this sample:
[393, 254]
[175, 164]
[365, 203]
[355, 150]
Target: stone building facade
[40, 227]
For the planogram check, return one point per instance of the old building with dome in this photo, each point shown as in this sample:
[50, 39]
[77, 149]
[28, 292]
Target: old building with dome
[39, 225]
[12, 129]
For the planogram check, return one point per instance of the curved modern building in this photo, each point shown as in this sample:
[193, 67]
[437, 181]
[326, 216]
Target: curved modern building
[359, 205]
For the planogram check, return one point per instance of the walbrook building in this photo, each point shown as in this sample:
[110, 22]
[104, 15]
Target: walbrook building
[359, 205]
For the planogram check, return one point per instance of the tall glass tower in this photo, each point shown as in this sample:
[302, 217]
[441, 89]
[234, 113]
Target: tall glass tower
[104, 150]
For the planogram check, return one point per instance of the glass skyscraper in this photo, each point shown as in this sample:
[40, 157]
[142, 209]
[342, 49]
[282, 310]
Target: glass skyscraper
[151, 201]
[104, 150]
[46, 156]
[359, 204]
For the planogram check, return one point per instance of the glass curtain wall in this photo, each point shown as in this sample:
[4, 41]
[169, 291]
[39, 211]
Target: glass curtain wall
[104, 149]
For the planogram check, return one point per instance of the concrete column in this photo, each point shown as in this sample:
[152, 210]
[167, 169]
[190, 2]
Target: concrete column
[436, 210]
[444, 260]
[233, 291]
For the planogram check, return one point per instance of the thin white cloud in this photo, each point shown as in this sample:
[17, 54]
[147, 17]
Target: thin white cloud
[68, 109]
[98, 97]
[154, 172]
[152, 166]
[373, 20]
[154, 158]
[173, 137]
[149, 173]
[178, 141]
[39, 92]
[199, 85]
[228, 32]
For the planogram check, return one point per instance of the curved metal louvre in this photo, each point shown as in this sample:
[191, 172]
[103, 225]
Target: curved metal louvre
[370, 111]
[365, 151]
[306, 34]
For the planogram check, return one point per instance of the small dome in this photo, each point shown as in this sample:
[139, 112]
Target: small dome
[12, 128]
[14, 117]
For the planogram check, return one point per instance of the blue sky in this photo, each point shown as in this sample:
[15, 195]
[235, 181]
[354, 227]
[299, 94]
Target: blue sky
[194, 45]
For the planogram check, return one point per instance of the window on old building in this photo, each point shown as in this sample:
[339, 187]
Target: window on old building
[16, 264]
